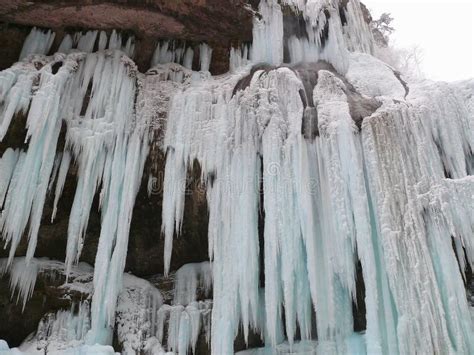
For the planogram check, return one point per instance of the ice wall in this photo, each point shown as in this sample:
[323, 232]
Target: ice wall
[326, 201]
[331, 29]
[386, 179]
[181, 53]
[94, 96]
[37, 42]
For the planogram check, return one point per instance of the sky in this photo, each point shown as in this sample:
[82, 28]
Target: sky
[442, 29]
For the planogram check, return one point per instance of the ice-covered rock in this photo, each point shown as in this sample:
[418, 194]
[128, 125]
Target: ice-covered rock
[308, 168]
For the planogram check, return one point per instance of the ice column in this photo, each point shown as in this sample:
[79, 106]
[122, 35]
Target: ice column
[37, 42]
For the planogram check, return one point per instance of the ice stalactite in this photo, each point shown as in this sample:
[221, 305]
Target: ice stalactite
[168, 52]
[62, 174]
[184, 325]
[267, 43]
[7, 168]
[116, 42]
[188, 279]
[22, 277]
[60, 331]
[15, 88]
[328, 35]
[239, 57]
[205, 56]
[181, 53]
[26, 195]
[37, 42]
[89, 41]
[94, 94]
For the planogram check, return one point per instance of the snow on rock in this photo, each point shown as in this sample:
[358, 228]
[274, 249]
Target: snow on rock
[60, 331]
[373, 77]
[136, 314]
[23, 275]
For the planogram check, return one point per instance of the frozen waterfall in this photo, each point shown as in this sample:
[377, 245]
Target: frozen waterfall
[315, 156]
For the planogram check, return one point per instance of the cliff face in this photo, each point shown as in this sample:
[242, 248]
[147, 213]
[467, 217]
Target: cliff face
[217, 22]
[310, 173]
[220, 23]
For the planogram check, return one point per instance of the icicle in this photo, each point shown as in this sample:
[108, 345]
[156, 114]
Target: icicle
[407, 221]
[7, 167]
[29, 191]
[238, 58]
[15, 93]
[188, 58]
[115, 42]
[184, 325]
[61, 330]
[102, 41]
[171, 52]
[122, 178]
[85, 42]
[23, 275]
[205, 56]
[189, 278]
[66, 44]
[63, 170]
[54, 173]
[268, 34]
[37, 42]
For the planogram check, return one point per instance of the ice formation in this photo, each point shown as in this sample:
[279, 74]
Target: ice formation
[181, 53]
[59, 331]
[315, 156]
[188, 279]
[185, 324]
[137, 313]
[37, 42]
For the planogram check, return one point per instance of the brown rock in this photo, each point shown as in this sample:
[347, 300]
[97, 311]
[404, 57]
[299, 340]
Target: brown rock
[217, 22]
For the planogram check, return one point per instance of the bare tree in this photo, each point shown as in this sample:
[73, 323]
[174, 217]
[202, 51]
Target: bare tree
[382, 29]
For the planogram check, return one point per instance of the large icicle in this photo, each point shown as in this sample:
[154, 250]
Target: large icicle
[37, 42]
[47, 108]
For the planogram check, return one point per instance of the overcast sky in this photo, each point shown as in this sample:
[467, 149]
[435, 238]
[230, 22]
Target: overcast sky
[443, 29]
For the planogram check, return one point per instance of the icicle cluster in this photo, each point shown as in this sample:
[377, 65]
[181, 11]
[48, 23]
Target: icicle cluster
[62, 330]
[327, 35]
[342, 197]
[94, 96]
[185, 325]
[173, 52]
[188, 279]
[309, 169]
[37, 42]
